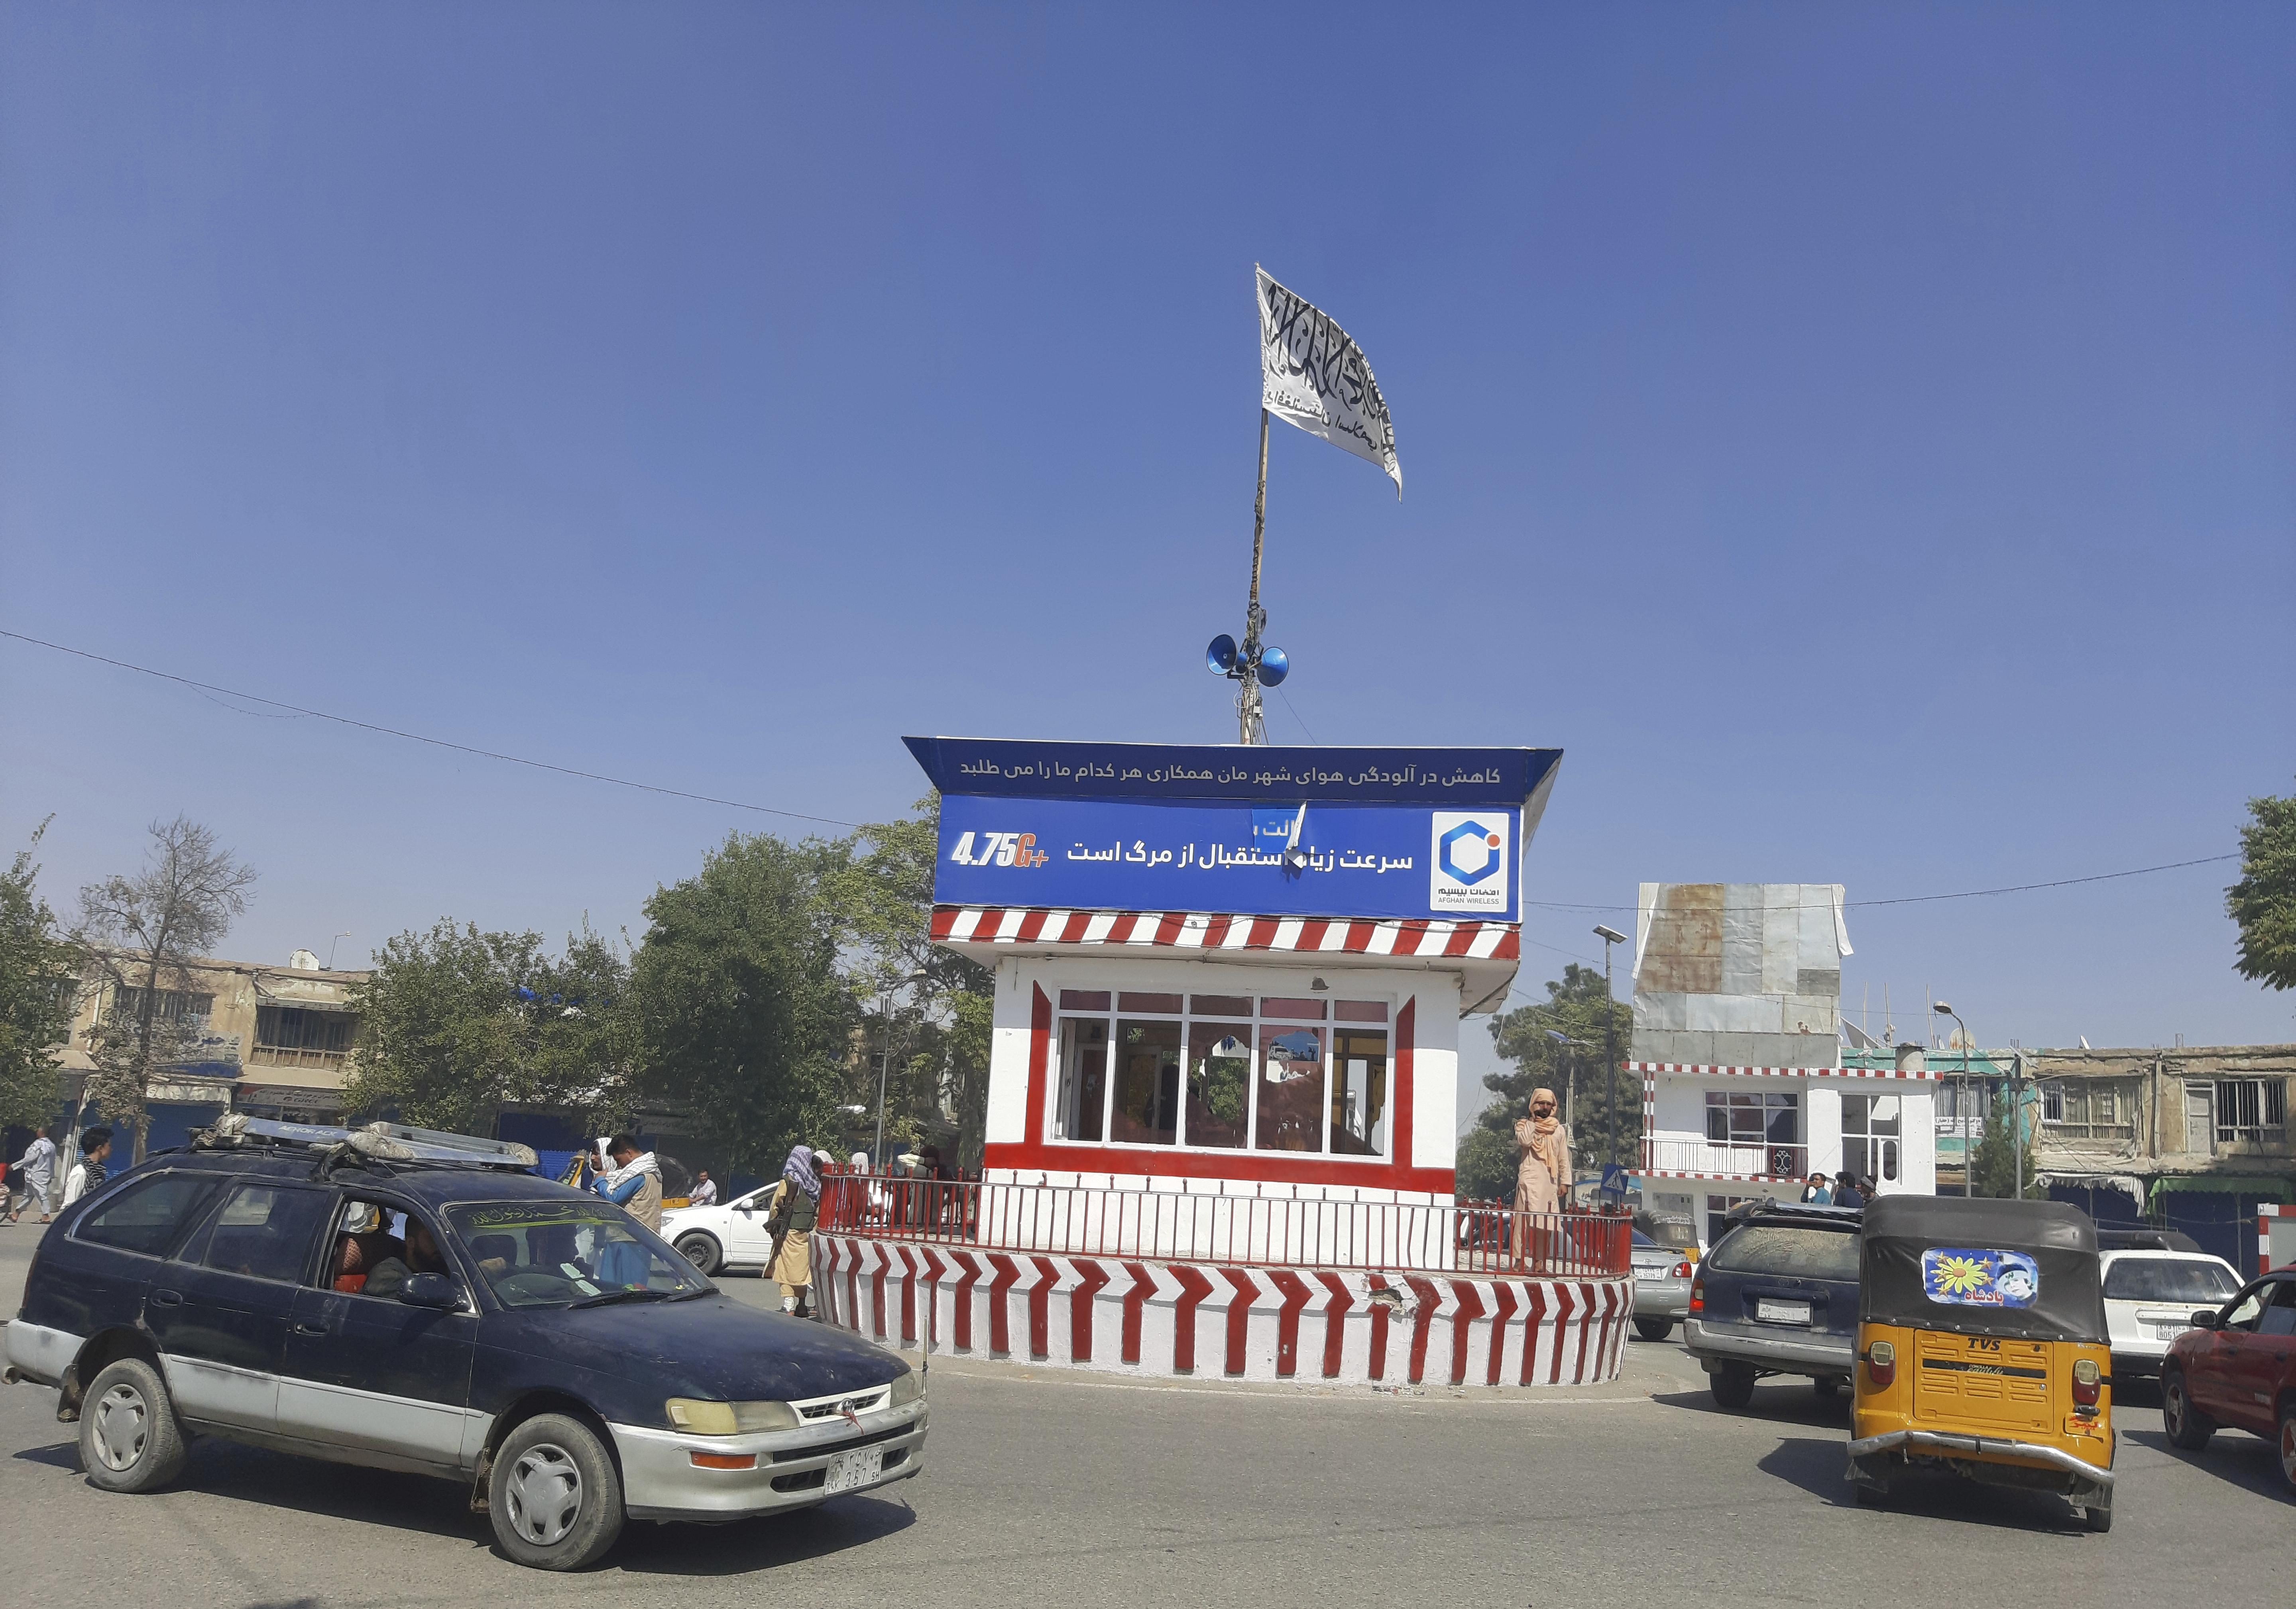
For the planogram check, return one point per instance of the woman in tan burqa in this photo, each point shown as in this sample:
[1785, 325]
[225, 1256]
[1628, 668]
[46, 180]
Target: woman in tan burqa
[1542, 1169]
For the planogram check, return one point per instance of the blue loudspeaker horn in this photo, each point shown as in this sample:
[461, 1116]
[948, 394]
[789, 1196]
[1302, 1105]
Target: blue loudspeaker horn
[1219, 659]
[1275, 665]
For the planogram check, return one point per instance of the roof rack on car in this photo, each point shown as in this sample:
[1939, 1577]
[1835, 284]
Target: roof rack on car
[376, 1142]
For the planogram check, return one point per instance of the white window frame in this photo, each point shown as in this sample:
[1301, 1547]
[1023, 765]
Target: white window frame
[1051, 1119]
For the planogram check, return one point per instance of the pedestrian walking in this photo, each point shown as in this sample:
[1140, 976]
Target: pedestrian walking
[1814, 1194]
[1846, 1192]
[34, 1174]
[87, 1174]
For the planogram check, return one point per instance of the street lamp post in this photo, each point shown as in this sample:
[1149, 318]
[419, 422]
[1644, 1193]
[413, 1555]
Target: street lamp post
[885, 1064]
[1609, 936]
[1967, 1043]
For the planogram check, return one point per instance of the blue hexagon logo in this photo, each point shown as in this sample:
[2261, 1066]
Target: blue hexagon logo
[1470, 852]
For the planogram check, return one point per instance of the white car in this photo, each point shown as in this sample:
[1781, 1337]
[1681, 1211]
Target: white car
[2149, 1298]
[730, 1235]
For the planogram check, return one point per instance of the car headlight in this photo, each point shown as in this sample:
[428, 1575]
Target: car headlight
[908, 1386]
[700, 1418]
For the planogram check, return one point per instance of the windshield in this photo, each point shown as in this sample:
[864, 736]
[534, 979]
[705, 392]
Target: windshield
[547, 1253]
[1776, 1249]
[2168, 1279]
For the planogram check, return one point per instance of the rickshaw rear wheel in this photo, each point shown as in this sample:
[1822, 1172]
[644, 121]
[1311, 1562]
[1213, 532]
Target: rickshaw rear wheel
[1870, 1495]
[2187, 1426]
[2099, 1517]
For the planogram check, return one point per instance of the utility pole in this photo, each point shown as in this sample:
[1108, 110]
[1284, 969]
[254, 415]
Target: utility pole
[1611, 936]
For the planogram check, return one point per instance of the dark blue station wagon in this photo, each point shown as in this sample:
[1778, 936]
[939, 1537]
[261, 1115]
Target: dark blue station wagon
[416, 1302]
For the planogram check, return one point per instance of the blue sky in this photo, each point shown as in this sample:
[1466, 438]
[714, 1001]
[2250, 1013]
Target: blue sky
[1858, 438]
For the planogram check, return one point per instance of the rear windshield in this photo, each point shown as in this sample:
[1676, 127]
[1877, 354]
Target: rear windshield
[2168, 1279]
[1782, 1249]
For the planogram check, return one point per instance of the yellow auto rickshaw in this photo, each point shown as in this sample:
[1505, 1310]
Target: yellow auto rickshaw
[1982, 1349]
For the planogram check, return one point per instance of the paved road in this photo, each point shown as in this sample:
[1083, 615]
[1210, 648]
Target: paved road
[1045, 1485]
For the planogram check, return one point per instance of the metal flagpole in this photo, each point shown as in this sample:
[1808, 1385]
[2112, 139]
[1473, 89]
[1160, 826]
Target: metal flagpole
[1249, 728]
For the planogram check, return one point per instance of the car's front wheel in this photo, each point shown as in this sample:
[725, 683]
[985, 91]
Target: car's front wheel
[2288, 1441]
[1734, 1386]
[1653, 1329]
[129, 1437]
[701, 1250]
[2187, 1426]
[555, 1498]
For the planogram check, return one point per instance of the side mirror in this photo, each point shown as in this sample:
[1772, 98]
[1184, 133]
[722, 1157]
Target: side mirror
[431, 1291]
[2204, 1318]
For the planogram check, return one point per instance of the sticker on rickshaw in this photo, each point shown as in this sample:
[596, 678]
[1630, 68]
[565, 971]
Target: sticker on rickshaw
[1964, 1278]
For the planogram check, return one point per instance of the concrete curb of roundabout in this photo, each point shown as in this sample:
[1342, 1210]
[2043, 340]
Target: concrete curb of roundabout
[1208, 1320]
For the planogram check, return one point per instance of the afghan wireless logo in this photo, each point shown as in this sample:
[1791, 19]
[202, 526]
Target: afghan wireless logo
[1474, 841]
[1467, 861]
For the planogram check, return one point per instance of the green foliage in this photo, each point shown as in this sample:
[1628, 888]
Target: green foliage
[36, 996]
[1575, 1008]
[740, 1010]
[2263, 902]
[455, 1022]
[1993, 1160]
[1486, 1165]
[937, 1026]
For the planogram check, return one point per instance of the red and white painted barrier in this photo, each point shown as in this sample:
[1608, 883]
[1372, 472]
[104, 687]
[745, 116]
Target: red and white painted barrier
[1208, 1320]
[2275, 1235]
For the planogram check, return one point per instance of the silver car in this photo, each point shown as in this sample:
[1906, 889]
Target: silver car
[1661, 1287]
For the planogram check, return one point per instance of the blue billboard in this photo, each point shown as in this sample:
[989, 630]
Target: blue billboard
[1441, 835]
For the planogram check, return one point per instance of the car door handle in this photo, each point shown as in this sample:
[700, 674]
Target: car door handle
[304, 1326]
[166, 1299]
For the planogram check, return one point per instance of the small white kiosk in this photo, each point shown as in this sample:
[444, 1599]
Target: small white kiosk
[1222, 1084]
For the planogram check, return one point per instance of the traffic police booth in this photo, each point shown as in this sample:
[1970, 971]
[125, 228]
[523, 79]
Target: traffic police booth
[1237, 969]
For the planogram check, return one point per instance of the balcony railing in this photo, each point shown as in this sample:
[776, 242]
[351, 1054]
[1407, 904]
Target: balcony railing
[1230, 1230]
[283, 1055]
[1749, 1161]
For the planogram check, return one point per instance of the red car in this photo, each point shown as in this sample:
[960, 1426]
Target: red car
[2235, 1369]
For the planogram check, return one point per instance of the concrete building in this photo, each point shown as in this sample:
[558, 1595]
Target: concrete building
[1745, 1089]
[2194, 1139]
[277, 1041]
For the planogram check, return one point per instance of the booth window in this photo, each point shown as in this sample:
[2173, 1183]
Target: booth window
[1083, 1077]
[1223, 1072]
[1219, 1077]
[1291, 1088]
[1147, 1082]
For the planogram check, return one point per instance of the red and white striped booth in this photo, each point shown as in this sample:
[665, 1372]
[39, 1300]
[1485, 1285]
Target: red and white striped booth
[1223, 1076]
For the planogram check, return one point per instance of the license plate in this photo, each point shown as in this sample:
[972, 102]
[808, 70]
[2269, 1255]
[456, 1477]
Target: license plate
[1781, 1312]
[2169, 1332]
[850, 1470]
[1653, 1271]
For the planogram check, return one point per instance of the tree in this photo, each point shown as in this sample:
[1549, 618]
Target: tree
[1559, 1047]
[2264, 900]
[882, 901]
[137, 940]
[1486, 1165]
[455, 1023]
[741, 1014]
[1993, 1163]
[36, 991]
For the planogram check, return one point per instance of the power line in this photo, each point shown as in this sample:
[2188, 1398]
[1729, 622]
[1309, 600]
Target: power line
[416, 737]
[1852, 905]
[209, 688]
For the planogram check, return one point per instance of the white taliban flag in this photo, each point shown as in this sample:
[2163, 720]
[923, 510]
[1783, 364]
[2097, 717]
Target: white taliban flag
[1314, 375]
